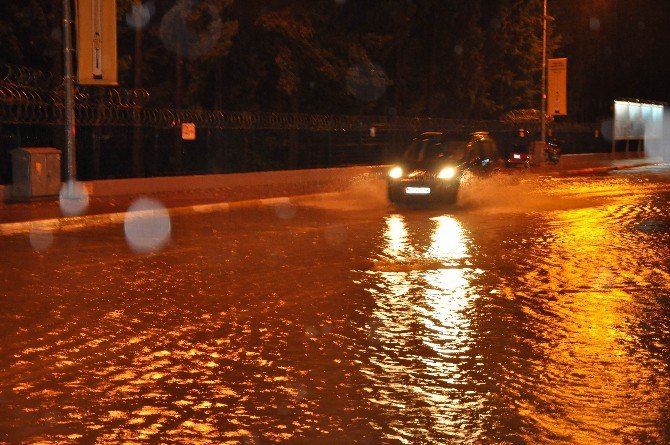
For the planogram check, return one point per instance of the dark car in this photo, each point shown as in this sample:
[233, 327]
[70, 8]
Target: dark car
[516, 152]
[429, 171]
[518, 155]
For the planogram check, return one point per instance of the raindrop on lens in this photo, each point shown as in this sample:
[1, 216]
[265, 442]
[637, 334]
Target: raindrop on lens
[147, 225]
[139, 15]
[73, 198]
[335, 235]
[179, 35]
[285, 210]
[594, 24]
[606, 128]
[366, 81]
[40, 238]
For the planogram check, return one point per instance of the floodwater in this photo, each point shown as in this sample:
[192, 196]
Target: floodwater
[537, 310]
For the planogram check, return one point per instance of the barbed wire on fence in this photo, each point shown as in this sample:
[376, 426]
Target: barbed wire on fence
[28, 96]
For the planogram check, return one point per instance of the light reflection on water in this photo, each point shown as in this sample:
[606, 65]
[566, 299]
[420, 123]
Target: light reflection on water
[544, 341]
[547, 323]
[425, 310]
[594, 284]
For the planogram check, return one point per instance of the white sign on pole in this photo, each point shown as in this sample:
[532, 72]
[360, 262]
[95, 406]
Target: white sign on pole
[96, 42]
[557, 101]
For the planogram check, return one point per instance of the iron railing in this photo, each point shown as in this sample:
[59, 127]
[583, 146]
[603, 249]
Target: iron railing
[113, 124]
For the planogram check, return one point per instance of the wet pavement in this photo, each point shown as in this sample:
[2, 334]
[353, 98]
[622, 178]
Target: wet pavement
[537, 310]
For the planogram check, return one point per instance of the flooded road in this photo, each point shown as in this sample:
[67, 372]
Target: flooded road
[537, 310]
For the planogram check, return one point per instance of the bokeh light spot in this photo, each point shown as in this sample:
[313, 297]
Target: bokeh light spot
[366, 81]
[147, 225]
[180, 36]
[606, 128]
[139, 15]
[594, 24]
[335, 235]
[73, 198]
[285, 210]
[40, 238]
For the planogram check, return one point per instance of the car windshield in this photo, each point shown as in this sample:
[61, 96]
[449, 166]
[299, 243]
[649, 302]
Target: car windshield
[430, 150]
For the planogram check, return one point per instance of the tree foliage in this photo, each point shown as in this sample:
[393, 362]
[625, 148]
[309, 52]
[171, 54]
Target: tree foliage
[445, 58]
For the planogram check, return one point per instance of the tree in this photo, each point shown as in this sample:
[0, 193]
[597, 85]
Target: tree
[516, 51]
[26, 34]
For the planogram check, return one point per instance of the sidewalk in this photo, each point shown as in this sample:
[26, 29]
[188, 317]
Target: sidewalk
[46, 215]
[22, 217]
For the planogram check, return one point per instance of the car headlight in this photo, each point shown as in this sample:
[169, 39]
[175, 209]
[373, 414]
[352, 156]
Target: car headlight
[395, 172]
[447, 173]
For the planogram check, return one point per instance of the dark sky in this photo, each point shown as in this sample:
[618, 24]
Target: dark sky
[615, 49]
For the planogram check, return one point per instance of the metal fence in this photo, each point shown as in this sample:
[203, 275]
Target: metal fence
[119, 135]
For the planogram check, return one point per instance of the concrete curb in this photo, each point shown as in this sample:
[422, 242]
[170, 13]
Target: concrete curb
[76, 222]
[601, 170]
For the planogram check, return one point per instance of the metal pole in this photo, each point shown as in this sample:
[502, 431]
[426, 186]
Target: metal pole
[137, 151]
[613, 129]
[69, 96]
[543, 105]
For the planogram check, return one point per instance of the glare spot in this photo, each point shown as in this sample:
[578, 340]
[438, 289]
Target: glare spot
[366, 81]
[139, 15]
[606, 129]
[298, 391]
[312, 332]
[458, 50]
[335, 235]
[594, 24]
[180, 36]
[40, 238]
[250, 439]
[147, 225]
[73, 198]
[285, 210]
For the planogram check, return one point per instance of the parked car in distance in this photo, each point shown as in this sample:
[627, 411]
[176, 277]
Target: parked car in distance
[518, 155]
[430, 170]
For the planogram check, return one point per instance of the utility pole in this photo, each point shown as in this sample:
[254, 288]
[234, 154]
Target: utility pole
[138, 162]
[543, 106]
[69, 94]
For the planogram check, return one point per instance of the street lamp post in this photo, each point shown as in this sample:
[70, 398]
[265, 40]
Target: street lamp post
[69, 99]
[543, 103]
